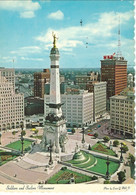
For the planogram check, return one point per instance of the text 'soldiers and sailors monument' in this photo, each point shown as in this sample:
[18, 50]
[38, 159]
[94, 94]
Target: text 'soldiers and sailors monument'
[55, 125]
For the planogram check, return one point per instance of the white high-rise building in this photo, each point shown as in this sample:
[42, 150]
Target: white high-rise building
[77, 108]
[99, 98]
[9, 74]
[55, 124]
[11, 104]
[122, 113]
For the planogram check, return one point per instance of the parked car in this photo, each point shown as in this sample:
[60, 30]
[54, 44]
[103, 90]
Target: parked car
[89, 130]
[90, 134]
[99, 126]
[69, 130]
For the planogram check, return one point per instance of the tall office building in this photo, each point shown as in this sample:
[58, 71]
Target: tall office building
[11, 104]
[9, 74]
[82, 80]
[114, 72]
[40, 78]
[99, 97]
[122, 113]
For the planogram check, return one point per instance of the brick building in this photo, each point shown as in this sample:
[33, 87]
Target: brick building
[40, 78]
[114, 72]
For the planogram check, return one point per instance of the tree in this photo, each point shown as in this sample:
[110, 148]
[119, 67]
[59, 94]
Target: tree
[124, 148]
[107, 182]
[115, 143]
[121, 176]
[23, 133]
[106, 138]
[36, 131]
[96, 135]
[13, 133]
[132, 158]
[89, 147]
[73, 131]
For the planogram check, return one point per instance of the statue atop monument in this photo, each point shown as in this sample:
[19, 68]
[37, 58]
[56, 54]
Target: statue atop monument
[54, 40]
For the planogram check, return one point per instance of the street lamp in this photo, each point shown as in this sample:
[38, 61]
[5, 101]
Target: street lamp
[107, 173]
[121, 156]
[22, 139]
[0, 138]
[50, 149]
[83, 137]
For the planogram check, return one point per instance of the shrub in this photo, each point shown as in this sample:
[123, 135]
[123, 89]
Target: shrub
[98, 142]
[132, 158]
[64, 168]
[36, 131]
[73, 131]
[106, 138]
[96, 135]
[107, 182]
[121, 176]
[27, 149]
[94, 177]
[124, 148]
[23, 133]
[115, 143]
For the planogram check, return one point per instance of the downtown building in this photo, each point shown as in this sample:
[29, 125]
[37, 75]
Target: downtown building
[99, 98]
[114, 72]
[40, 78]
[9, 74]
[82, 80]
[77, 107]
[122, 113]
[11, 104]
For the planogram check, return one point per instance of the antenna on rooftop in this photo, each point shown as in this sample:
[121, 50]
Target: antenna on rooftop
[119, 42]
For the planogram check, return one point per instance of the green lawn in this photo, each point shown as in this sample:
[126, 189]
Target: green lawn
[101, 148]
[101, 166]
[18, 146]
[63, 177]
[6, 154]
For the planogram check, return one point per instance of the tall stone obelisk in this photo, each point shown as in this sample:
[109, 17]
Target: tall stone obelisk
[55, 125]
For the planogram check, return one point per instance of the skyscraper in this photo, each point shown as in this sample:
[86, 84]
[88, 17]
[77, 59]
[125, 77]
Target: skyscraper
[114, 72]
[11, 104]
[40, 78]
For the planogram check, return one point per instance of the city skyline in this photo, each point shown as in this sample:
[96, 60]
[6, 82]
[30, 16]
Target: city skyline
[26, 41]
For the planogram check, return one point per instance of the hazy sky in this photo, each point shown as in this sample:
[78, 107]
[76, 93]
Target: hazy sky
[26, 32]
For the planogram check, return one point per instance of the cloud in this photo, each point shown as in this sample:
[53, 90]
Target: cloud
[27, 50]
[6, 59]
[31, 59]
[25, 8]
[58, 15]
[28, 14]
[96, 33]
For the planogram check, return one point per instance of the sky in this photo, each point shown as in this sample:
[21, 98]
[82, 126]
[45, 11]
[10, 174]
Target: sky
[26, 28]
